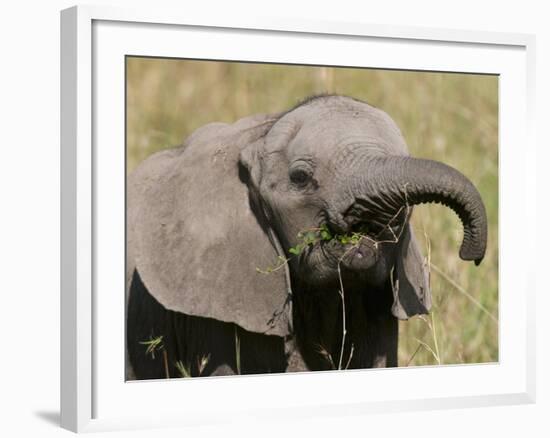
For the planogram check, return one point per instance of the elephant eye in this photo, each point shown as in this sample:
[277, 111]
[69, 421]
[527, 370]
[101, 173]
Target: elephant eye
[300, 175]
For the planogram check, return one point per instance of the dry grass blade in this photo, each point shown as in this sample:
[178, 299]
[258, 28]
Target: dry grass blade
[464, 292]
[153, 344]
[237, 351]
[281, 263]
[350, 356]
[165, 360]
[413, 355]
[182, 369]
[434, 335]
[342, 296]
[201, 364]
[431, 325]
[327, 356]
[427, 347]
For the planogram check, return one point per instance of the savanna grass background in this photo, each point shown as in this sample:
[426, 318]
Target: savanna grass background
[448, 117]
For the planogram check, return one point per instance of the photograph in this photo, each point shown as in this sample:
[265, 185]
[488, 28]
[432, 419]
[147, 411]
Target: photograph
[289, 218]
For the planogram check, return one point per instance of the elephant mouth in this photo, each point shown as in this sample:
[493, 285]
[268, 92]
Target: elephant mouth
[355, 244]
[360, 235]
[356, 251]
[358, 248]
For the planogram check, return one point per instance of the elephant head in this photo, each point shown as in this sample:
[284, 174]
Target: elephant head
[202, 218]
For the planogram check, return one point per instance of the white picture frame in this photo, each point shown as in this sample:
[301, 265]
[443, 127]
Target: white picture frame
[94, 396]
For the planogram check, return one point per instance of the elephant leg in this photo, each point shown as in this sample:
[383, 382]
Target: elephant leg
[382, 329]
[371, 340]
[130, 373]
[223, 370]
[193, 345]
[383, 347]
[146, 320]
[258, 353]
[227, 348]
[295, 360]
[187, 345]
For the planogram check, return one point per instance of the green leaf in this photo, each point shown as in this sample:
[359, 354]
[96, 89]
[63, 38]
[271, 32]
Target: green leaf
[310, 238]
[355, 238]
[343, 238]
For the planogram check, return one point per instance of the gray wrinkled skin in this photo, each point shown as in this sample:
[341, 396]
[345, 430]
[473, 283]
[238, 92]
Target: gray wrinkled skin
[203, 217]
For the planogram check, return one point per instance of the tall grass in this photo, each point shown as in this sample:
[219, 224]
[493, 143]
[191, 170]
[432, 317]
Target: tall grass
[448, 117]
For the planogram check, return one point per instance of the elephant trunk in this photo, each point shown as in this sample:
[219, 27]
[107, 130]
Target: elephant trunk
[385, 185]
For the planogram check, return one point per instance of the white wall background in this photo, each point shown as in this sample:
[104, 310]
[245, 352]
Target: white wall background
[29, 216]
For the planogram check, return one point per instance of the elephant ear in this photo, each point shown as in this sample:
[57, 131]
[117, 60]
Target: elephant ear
[194, 237]
[411, 289]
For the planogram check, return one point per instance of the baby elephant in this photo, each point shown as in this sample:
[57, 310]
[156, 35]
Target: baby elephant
[282, 243]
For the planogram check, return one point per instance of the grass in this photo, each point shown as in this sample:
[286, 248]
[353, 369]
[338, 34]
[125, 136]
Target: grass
[448, 117]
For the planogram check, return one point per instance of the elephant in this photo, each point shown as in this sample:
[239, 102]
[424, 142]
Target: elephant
[282, 243]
